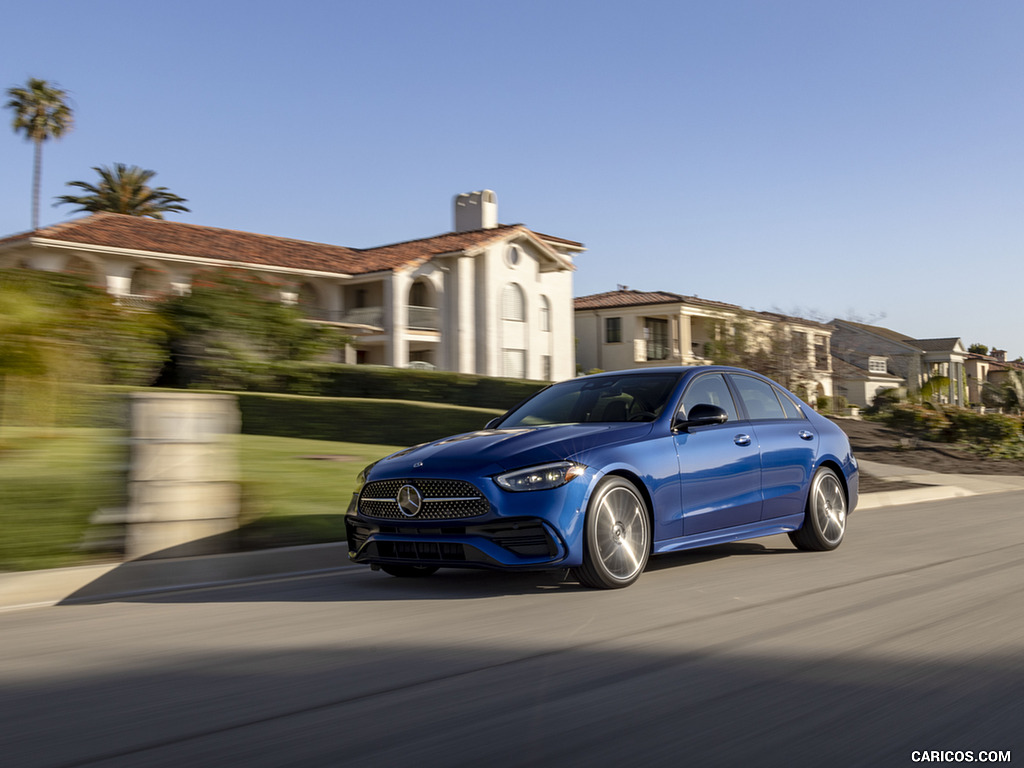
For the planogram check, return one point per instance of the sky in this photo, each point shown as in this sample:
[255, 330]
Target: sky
[861, 160]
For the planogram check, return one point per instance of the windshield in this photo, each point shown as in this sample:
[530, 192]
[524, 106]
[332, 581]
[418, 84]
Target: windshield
[629, 397]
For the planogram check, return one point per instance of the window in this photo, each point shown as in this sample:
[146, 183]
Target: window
[513, 255]
[656, 336]
[759, 398]
[418, 294]
[513, 304]
[709, 389]
[798, 346]
[545, 314]
[877, 365]
[821, 353]
[612, 330]
[545, 364]
[513, 363]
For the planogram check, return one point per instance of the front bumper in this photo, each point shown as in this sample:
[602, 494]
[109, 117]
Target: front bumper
[505, 544]
[532, 530]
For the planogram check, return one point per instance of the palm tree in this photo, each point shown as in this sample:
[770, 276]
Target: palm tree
[41, 113]
[125, 189]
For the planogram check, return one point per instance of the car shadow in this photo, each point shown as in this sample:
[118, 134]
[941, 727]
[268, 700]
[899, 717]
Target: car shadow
[361, 584]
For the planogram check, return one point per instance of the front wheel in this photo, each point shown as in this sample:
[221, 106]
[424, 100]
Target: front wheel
[825, 516]
[617, 539]
[409, 571]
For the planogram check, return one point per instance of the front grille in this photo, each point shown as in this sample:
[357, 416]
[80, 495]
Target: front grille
[442, 500]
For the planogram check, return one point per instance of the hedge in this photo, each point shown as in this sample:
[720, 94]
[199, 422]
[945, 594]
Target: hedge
[355, 420]
[949, 424]
[365, 381]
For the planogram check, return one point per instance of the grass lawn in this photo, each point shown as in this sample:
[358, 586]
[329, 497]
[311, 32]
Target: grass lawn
[296, 491]
[51, 483]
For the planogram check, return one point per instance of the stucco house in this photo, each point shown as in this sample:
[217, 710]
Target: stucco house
[485, 298]
[992, 369]
[935, 366]
[636, 329]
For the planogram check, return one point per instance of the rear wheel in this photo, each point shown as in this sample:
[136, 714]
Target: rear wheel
[617, 540]
[409, 571]
[825, 517]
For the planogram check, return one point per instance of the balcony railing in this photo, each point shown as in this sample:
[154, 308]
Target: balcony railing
[136, 300]
[368, 316]
[424, 318]
[420, 318]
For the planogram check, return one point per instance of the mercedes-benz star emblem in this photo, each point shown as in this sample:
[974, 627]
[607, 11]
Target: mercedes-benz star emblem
[409, 500]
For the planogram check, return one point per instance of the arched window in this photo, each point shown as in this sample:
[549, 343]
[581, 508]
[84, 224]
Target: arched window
[513, 303]
[545, 314]
[418, 294]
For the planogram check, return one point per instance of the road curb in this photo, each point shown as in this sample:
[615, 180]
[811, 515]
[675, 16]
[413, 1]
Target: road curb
[110, 580]
[881, 499]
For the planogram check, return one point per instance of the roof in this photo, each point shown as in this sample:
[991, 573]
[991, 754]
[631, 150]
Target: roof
[938, 345]
[631, 298]
[846, 370]
[947, 344]
[114, 230]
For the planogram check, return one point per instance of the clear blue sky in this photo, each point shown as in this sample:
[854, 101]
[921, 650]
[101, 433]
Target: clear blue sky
[854, 159]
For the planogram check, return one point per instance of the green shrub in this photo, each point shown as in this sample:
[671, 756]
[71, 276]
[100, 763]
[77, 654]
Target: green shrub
[920, 421]
[352, 420]
[364, 381]
[991, 427]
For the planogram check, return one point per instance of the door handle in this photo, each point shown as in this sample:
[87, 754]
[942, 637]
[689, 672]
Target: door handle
[805, 435]
[742, 439]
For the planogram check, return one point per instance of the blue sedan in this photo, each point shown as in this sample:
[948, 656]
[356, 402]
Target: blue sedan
[597, 474]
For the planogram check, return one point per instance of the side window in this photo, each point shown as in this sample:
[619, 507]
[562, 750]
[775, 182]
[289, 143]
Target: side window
[711, 389]
[792, 412]
[759, 398]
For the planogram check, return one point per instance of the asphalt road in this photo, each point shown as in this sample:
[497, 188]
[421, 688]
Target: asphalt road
[909, 637]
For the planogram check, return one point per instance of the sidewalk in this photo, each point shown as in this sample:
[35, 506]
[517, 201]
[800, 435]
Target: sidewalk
[940, 486]
[103, 582]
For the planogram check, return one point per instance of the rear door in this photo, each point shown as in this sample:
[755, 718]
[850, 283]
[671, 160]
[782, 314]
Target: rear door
[787, 441]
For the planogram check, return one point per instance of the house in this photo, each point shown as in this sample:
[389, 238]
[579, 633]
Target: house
[932, 367]
[485, 298]
[860, 386]
[991, 370]
[636, 329]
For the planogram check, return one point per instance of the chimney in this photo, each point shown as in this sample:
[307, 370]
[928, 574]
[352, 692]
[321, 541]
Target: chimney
[999, 354]
[476, 210]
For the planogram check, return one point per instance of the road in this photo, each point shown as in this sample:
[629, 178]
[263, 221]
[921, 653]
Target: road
[909, 637]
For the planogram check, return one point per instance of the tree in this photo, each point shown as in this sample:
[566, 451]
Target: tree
[978, 349]
[232, 329]
[124, 189]
[41, 113]
[57, 332]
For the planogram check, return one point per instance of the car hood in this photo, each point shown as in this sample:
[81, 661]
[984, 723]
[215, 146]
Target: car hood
[490, 451]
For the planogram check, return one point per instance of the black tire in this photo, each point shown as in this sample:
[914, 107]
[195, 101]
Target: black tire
[617, 539]
[825, 514]
[409, 571]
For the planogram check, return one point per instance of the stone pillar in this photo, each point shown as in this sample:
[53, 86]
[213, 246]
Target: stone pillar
[183, 493]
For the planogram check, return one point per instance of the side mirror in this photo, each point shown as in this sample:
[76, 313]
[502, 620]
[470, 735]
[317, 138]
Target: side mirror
[701, 415]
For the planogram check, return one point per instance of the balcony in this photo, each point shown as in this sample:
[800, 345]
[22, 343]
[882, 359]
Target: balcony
[424, 318]
[136, 301]
[367, 317]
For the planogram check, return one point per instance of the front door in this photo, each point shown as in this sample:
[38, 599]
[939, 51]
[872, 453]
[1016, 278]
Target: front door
[719, 466]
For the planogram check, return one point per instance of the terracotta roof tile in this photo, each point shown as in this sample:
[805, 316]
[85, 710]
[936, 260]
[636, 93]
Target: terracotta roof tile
[632, 298]
[172, 237]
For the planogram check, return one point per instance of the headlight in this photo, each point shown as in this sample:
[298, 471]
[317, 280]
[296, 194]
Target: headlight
[361, 477]
[540, 478]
